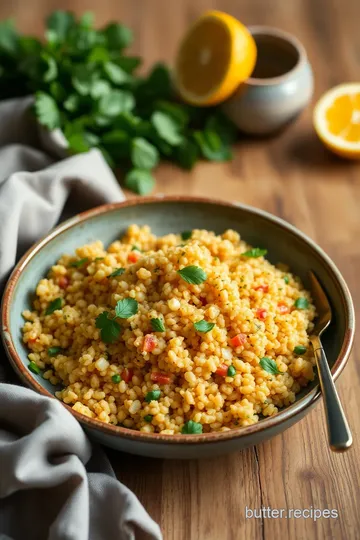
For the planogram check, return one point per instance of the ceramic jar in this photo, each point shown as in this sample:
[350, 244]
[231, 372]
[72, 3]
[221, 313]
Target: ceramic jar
[280, 87]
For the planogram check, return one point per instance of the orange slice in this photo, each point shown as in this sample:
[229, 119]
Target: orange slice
[337, 120]
[216, 55]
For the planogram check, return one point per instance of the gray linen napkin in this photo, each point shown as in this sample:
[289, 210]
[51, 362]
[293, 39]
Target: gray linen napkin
[53, 484]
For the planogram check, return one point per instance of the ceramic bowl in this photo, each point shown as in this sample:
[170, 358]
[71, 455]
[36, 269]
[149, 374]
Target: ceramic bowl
[174, 214]
[279, 88]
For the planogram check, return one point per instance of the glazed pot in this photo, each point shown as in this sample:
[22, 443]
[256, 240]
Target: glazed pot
[280, 87]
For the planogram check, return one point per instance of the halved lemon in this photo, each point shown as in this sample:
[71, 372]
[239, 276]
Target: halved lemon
[337, 120]
[215, 56]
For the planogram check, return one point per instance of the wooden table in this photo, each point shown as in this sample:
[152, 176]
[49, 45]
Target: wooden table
[294, 177]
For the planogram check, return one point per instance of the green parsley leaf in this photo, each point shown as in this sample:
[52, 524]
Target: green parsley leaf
[203, 326]
[9, 39]
[191, 428]
[60, 22]
[286, 279]
[87, 20]
[185, 235]
[109, 328]
[157, 325]
[148, 418]
[34, 368]
[99, 88]
[53, 351]
[187, 154]
[79, 263]
[115, 103]
[140, 181]
[211, 146]
[117, 272]
[301, 303]
[135, 248]
[300, 349]
[254, 253]
[116, 74]
[116, 378]
[83, 79]
[99, 259]
[72, 103]
[269, 365]
[167, 128]
[129, 63]
[54, 306]
[51, 67]
[154, 395]
[223, 126]
[57, 91]
[77, 143]
[144, 155]
[118, 36]
[231, 372]
[47, 110]
[126, 308]
[193, 274]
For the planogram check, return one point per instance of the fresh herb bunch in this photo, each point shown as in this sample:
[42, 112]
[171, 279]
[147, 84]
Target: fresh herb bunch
[85, 84]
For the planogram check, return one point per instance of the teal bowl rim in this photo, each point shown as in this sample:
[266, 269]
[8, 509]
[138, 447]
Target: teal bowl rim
[157, 438]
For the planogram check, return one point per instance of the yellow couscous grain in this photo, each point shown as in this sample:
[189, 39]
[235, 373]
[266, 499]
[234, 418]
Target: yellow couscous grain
[218, 351]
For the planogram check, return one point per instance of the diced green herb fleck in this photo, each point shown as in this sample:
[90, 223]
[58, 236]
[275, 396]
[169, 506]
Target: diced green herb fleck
[99, 259]
[300, 349]
[154, 395]
[156, 270]
[117, 272]
[148, 418]
[157, 325]
[110, 329]
[231, 372]
[193, 274]
[301, 303]
[185, 235]
[53, 351]
[203, 326]
[126, 308]
[191, 428]
[79, 263]
[116, 378]
[135, 248]
[254, 253]
[54, 306]
[269, 365]
[34, 368]
[286, 279]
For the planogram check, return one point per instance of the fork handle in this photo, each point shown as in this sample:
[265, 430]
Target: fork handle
[340, 438]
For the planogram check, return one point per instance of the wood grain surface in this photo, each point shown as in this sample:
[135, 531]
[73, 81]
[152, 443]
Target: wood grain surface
[294, 177]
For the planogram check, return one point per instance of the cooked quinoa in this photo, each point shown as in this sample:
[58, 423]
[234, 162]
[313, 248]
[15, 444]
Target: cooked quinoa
[159, 370]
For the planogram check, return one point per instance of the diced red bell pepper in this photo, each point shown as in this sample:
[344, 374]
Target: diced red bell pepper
[63, 282]
[263, 288]
[283, 308]
[127, 374]
[150, 343]
[239, 339]
[261, 313]
[203, 300]
[222, 370]
[161, 378]
[134, 256]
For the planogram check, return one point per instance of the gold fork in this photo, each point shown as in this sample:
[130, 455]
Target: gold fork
[339, 434]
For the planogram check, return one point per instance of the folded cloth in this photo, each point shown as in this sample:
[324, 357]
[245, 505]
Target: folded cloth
[53, 483]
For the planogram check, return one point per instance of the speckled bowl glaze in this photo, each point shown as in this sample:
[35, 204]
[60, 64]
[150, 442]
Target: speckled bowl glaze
[280, 87]
[174, 214]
